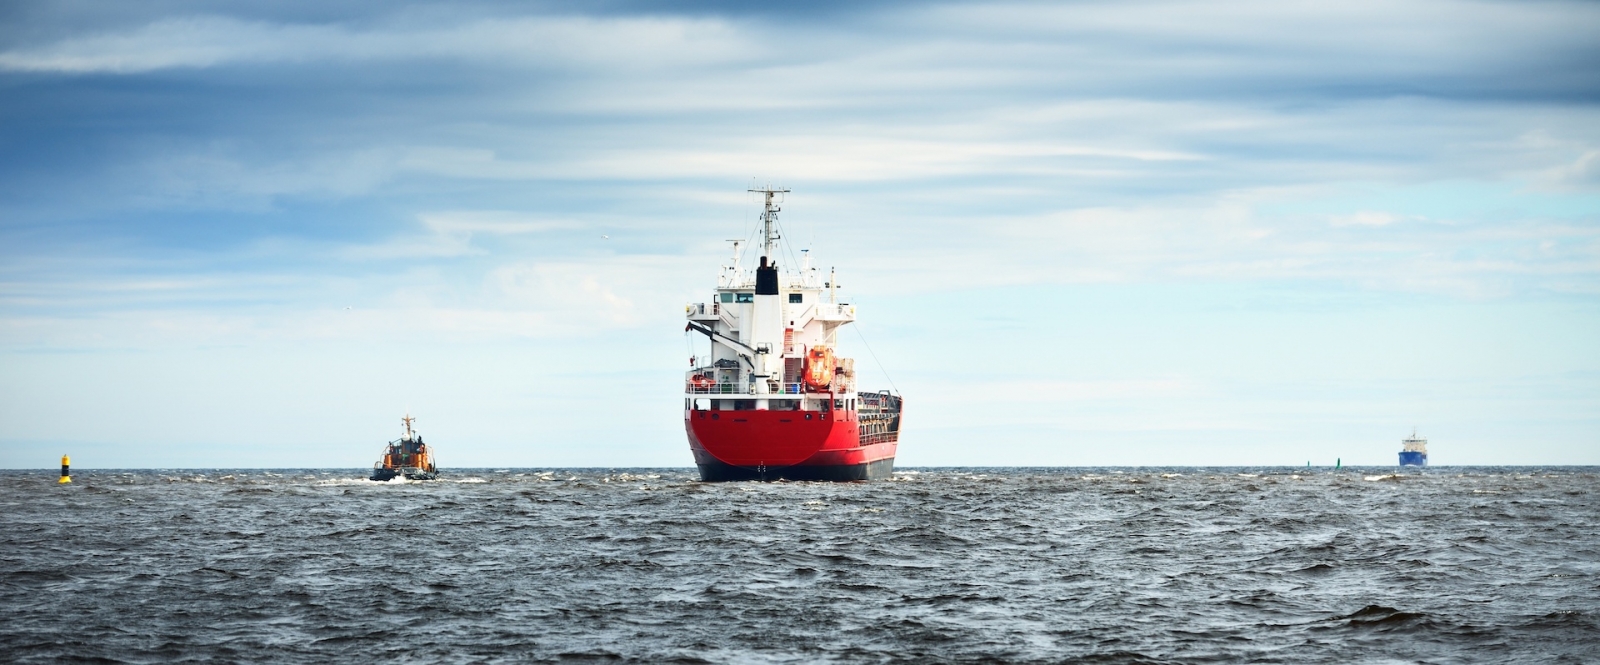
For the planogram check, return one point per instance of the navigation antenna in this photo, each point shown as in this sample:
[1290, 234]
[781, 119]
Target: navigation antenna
[408, 420]
[769, 217]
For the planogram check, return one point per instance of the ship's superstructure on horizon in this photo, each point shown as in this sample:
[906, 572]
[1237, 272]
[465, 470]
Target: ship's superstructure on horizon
[772, 399]
[1414, 450]
[406, 457]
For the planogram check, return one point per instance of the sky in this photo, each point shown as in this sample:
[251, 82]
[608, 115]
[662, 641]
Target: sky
[1077, 233]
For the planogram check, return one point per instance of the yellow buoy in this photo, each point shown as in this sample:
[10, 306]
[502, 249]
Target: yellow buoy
[66, 474]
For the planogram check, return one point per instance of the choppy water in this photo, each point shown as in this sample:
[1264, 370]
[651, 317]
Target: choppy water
[1018, 565]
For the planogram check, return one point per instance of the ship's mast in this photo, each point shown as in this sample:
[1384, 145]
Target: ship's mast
[769, 219]
[407, 421]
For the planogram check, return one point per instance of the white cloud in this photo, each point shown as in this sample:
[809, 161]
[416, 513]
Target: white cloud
[229, 176]
[1582, 174]
[180, 42]
[633, 43]
[1417, 36]
[1034, 391]
[559, 298]
[492, 222]
[1366, 218]
[581, 293]
[1236, 237]
[863, 156]
[450, 234]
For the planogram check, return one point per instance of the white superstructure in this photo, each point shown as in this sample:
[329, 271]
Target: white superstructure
[1415, 444]
[763, 323]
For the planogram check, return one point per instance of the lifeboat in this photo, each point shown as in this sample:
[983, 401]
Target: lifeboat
[819, 368]
[406, 457]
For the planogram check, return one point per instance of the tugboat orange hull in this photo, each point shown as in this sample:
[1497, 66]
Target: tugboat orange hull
[790, 445]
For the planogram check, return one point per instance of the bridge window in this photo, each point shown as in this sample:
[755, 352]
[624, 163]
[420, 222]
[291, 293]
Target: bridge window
[727, 297]
[744, 297]
[796, 297]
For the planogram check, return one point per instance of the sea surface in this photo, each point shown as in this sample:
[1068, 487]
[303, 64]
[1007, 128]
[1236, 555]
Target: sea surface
[1098, 565]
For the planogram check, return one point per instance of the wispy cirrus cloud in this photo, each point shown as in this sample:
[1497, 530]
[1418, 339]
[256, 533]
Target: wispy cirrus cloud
[628, 43]
[450, 234]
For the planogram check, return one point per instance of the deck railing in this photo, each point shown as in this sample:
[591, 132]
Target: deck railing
[699, 310]
[692, 388]
[881, 437]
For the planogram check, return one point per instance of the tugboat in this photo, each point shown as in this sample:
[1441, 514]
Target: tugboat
[772, 400]
[408, 457]
[1414, 451]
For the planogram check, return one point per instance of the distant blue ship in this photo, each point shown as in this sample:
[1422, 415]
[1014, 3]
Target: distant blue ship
[1414, 451]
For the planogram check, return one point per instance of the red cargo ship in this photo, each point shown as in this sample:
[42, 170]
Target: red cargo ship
[771, 400]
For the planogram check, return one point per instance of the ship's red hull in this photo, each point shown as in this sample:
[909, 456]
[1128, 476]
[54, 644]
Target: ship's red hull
[793, 445]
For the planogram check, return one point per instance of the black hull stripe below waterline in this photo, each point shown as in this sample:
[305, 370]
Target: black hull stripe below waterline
[716, 472]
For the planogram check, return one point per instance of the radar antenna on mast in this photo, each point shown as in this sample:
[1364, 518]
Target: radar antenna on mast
[769, 218]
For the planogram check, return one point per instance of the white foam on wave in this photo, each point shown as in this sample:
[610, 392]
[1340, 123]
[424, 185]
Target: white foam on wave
[631, 477]
[337, 482]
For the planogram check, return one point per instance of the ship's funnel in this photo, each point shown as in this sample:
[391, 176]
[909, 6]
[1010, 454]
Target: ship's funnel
[767, 279]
